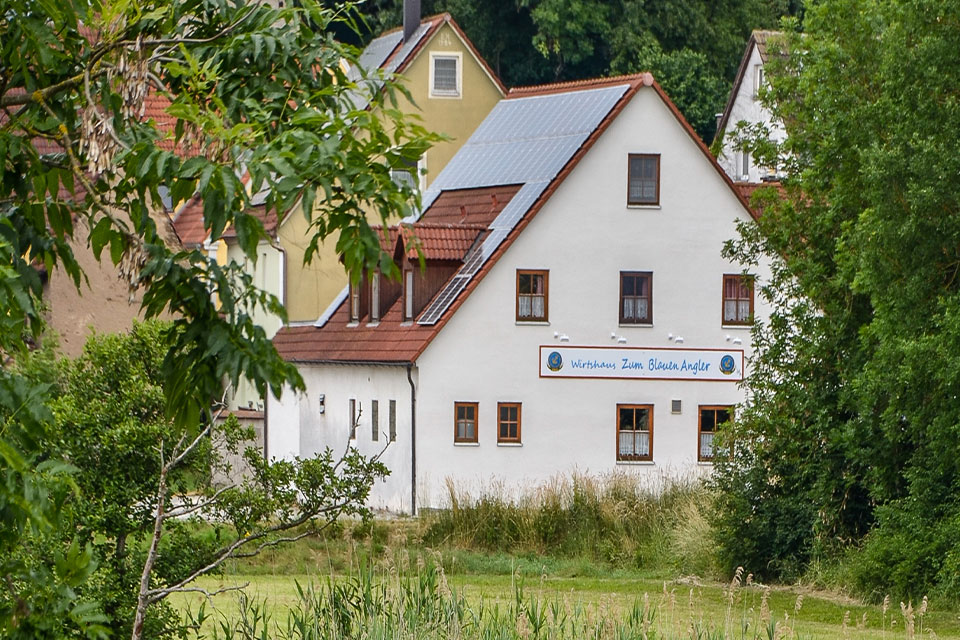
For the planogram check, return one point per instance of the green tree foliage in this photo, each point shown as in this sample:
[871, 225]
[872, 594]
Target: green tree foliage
[255, 90]
[853, 431]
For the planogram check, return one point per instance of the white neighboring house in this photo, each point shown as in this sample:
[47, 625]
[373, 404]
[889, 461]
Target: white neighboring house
[744, 106]
[575, 312]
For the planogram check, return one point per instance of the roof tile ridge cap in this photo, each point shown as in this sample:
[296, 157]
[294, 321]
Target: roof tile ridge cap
[586, 83]
[425, 20]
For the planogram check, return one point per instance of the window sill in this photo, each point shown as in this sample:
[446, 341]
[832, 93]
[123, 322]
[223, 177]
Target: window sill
[446, 96]
[636, 325]
[704, 463]
[532, 323]
[509, 444]
[373, 324]
[352, 324]
[466, 444]
[736, 326]
[636, 463]
[644, 206]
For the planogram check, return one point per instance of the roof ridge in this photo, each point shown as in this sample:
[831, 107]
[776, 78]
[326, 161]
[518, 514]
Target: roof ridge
[425, 20]
[576, 85]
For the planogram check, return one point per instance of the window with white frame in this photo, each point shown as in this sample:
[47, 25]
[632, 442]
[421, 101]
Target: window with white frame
[445, 75]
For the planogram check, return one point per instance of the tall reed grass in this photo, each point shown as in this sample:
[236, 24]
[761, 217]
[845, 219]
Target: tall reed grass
[410, 599]
[620, 519]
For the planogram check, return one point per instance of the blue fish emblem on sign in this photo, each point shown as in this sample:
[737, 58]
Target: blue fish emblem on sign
[554, 361]
[728, 365]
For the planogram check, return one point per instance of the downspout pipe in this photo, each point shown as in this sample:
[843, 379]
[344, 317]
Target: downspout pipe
[413, 441]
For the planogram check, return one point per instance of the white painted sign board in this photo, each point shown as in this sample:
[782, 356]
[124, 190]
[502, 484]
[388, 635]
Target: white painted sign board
[643, 363]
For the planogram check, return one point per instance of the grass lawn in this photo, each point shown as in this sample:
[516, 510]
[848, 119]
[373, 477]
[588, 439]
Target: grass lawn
[603, 591]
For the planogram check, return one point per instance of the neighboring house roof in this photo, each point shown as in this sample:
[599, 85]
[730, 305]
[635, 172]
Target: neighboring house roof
[531, 141]
[760, 40]
[391, 54]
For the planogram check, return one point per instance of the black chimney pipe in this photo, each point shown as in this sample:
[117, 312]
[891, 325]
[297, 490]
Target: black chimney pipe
[411, 18]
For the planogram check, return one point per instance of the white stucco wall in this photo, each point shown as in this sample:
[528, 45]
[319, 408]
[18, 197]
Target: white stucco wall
[267, 275]
[586, 235]
[297, 427]
[746, 107]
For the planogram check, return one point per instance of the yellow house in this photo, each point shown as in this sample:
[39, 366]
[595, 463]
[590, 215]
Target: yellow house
[453, 89]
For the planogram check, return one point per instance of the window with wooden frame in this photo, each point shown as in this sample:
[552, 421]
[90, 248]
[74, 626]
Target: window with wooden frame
[711, 417]
[408, 295]
[508, 422]
[635, 432]
[354, 303]
[737, 299]
[375, 297]
[636, 297]
[374, 420]
[643, 180]
[532, 295]
[465, 421]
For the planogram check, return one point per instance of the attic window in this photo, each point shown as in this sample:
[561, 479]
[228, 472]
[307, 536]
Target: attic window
[445, 75]
[757, 79]
[644, 179]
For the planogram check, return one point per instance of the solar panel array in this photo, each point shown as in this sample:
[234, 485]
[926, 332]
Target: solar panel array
[522, 141]
[375, 55]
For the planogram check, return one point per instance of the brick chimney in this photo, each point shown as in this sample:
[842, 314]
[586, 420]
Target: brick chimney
[411, 18]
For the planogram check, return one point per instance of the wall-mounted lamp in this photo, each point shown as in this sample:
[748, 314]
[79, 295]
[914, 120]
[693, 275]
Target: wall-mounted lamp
[669, 336]
[321, 403]
[737, 341]
[621, 340]
[678, 339]
[564, 338]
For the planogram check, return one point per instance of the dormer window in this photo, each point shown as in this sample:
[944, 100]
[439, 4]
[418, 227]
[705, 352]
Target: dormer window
[408, 294]
[375, 297]
[354, 303]
[445, 75]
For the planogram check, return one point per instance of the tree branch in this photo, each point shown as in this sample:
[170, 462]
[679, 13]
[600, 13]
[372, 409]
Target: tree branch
[183, 510]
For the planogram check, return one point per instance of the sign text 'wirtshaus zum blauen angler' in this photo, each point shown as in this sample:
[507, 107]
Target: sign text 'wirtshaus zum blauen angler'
[641, 363]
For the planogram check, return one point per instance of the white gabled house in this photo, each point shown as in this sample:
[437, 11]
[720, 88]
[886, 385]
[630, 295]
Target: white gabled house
[743, 106]
[575, 312]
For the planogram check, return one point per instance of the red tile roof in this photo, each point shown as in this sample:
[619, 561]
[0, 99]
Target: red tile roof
[634, 80]
[470, 206]
[188, 222]
[440, 241]
[267, 218]
[391, 341]
[747, 189]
